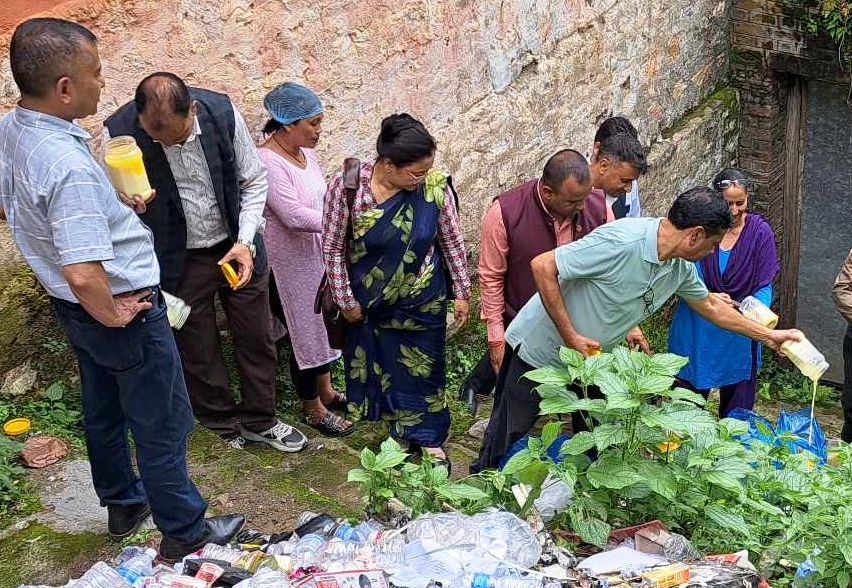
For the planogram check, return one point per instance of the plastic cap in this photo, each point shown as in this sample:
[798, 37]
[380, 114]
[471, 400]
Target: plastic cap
[17, 426]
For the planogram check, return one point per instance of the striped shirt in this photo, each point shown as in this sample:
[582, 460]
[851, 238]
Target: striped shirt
[205, 225]
[62, 209]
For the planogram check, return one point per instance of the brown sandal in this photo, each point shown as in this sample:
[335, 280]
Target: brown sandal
[338, 402]
[331, 425]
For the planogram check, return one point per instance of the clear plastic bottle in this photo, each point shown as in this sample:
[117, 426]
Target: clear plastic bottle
[138, 566]
[495, 581]
[806, 357]
[101, 575]
[754, 309]
[213, 551]
[307, 550]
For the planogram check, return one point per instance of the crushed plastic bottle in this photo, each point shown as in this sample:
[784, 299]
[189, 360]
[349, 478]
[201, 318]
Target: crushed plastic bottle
[307, 550]
[265, 579]
[137, 567]
[507, 537]
[495, 581]
[100, 575]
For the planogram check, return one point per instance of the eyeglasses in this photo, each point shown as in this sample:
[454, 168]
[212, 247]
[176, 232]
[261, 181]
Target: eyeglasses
[648, 296]
[415, 176]
[725, 184]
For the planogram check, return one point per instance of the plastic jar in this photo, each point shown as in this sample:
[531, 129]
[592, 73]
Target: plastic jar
[754, 309]
[123, 160]
[806, 357]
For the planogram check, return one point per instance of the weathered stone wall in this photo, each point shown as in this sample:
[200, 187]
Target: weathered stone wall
[502, 84]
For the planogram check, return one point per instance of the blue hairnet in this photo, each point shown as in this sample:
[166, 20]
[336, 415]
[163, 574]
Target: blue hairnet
[291, 102]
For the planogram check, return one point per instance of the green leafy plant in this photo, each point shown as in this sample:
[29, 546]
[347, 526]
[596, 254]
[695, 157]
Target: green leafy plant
[832, 18]
[423, 487]
[56, 411]
[10, 472]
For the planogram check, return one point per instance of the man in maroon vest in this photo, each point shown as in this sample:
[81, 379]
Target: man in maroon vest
[566, 203]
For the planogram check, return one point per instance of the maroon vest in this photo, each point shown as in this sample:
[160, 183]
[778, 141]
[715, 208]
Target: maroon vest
[530, 232]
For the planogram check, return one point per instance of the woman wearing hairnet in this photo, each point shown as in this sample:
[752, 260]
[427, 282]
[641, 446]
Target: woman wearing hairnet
[293, 239]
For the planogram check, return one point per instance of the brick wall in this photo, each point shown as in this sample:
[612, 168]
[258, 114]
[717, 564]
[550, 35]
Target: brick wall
[771, 55]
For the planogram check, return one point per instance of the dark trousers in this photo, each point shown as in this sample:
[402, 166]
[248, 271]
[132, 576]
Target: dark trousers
[482, 379]
[846, 395]
[207, 379]
[306, 381]
[131, 378]
[516, 410]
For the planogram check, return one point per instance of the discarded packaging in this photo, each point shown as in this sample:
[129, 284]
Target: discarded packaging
[667, 576]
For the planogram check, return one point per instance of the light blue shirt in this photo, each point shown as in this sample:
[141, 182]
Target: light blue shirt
[611, 280]
[62, 209]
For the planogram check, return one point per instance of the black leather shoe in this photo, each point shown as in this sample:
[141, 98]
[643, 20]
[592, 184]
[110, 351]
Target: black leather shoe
[124, 520]
[467, 396]
[218, 530]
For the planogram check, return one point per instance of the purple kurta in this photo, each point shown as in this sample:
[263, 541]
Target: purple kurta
[293, 239]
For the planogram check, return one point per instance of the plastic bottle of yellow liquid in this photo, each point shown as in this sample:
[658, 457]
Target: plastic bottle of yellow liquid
[806, 357]
[756, 310]
[123, 160]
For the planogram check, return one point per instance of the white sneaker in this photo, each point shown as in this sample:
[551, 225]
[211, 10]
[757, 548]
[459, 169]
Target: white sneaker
[236, 442]
[281, 436]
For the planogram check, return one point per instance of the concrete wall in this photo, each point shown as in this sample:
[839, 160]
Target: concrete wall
[501, 83]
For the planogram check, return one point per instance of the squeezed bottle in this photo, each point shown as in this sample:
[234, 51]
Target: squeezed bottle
[125, 168]
[806, 357]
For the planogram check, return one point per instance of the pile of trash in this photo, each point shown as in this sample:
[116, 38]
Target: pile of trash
[495, 549]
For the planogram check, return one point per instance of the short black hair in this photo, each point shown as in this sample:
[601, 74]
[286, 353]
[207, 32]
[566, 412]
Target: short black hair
[731, 174]
[167, 89]
[403, 140]
[623, 147]
[565, 164]
[701, 207]
[615, 125]
[42, 50]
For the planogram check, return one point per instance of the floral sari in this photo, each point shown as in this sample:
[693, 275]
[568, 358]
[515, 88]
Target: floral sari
[395, 367]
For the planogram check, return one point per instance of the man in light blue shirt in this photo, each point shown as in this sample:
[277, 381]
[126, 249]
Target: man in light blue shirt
[96, 260]
[595, 291]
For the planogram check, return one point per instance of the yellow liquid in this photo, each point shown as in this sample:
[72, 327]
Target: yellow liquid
[126, 169]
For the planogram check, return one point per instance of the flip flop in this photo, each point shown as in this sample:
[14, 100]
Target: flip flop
[332, 425]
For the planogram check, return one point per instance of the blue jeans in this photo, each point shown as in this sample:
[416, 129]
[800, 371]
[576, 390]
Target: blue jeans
[132, 378]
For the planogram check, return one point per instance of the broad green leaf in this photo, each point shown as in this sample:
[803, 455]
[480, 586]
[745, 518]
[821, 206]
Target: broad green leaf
[571, 357]
[663, 484]
[622, 359]
[555, 391]
[727, 519]
[358, 475]
[579, 443]
[611, 383]
[764, 507]
[461, 491]
[610, 472]
[589, 404]
[680, 419]
[724, 480]
[555, 405]
[389, 459]
[549, 433]
[609, 434]
[732, 427]
[55, 391]
[685, 395]
[549, 375]
[843, 576]
[534, 474]
[666, 364]
[845, 548]
[592, 530]
[622, 402]
[652, 384]
[368, 458]
[522, 459]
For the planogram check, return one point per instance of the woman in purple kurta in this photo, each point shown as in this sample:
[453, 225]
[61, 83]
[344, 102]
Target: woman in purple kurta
[744, 264]
[293, 239]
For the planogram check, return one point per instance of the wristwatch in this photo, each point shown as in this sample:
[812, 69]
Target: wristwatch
[250, 245]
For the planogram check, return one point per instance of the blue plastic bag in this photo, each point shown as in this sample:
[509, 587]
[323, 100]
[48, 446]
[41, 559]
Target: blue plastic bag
[520, 444]
[789, 424]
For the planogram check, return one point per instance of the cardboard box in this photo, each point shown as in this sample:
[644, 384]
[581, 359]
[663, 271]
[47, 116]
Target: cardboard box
[652, 540]
[352, 579]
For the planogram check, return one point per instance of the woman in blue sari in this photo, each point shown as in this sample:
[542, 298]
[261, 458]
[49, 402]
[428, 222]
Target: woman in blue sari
[392, 287]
